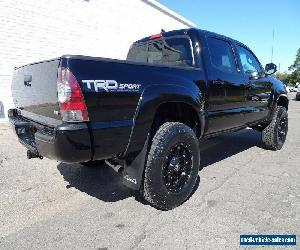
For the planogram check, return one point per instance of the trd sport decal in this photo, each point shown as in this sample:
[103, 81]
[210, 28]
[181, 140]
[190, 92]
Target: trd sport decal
[110, 85]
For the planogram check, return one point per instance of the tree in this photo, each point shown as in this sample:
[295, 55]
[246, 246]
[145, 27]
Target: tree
[296, 64]
[294, 77]
[281, 76]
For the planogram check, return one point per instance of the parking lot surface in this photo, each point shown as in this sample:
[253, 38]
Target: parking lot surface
[242, 189]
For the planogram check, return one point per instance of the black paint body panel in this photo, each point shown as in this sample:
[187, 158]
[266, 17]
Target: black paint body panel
[121, 120]
[67, 142]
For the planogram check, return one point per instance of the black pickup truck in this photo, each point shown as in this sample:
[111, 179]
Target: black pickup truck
[146, 115]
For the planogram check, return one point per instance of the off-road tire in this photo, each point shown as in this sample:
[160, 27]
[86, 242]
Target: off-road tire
[167, 137]
[270, 135]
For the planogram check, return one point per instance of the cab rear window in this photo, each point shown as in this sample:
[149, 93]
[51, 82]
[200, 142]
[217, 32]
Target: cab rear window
[168, 51]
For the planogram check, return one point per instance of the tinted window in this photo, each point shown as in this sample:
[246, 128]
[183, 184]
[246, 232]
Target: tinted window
[177, 51]
[169, 51]
[155, 52]
[248, 61]
[221, 55]
[138, 53]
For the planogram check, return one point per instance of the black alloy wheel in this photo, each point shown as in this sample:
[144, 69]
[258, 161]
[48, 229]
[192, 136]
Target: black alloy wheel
[177, 169]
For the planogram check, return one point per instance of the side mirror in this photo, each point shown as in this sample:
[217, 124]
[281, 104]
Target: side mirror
[270, 69]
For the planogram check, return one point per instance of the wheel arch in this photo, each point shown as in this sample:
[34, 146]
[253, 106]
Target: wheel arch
[177, 111]
[154, 101]
[283, 101]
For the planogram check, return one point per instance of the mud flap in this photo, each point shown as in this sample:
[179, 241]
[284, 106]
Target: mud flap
[133, 173]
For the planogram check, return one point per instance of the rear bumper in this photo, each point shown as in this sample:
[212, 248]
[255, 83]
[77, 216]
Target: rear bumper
[66, 143]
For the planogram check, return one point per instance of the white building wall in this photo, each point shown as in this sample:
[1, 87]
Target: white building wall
[34, 30]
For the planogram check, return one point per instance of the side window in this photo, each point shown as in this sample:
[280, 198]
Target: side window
[221, 55]
[177, 52]
[170, 51]
[248, 61]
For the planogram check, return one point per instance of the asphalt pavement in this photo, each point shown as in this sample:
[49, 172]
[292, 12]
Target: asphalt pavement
[242, 189]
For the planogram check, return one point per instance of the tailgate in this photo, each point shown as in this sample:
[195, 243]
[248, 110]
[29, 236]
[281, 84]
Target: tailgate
[34, 92]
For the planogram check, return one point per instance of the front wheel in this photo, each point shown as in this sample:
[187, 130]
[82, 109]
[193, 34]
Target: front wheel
[172, 166]
[274, 135]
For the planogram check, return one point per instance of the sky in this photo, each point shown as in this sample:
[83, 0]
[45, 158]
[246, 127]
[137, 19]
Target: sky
[250, 22]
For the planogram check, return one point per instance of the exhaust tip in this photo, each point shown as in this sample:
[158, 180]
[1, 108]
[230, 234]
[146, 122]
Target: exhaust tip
[116, 167]
[31, 155]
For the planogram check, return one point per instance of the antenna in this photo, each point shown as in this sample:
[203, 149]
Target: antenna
[272, 46]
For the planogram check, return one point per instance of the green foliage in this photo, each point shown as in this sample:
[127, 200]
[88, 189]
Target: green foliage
[293, 77]
[296, 64]
[281, 76]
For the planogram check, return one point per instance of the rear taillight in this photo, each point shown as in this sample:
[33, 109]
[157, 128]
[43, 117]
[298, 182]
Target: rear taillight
[70, 98]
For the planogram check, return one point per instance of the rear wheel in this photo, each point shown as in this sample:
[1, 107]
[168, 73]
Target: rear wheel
[172, 166]
[274, 135]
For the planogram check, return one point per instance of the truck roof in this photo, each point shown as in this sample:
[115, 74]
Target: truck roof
[185, 31]
[165, 34]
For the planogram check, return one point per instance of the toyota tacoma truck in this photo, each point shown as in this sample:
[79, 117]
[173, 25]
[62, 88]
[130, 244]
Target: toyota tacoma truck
[146, 115]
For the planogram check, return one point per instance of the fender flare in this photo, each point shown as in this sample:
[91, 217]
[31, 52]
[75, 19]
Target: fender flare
[284, 96]
[152, 97]
[275, 99]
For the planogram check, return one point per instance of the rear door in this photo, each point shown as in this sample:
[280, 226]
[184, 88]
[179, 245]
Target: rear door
[226, 86]
[258, 86]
